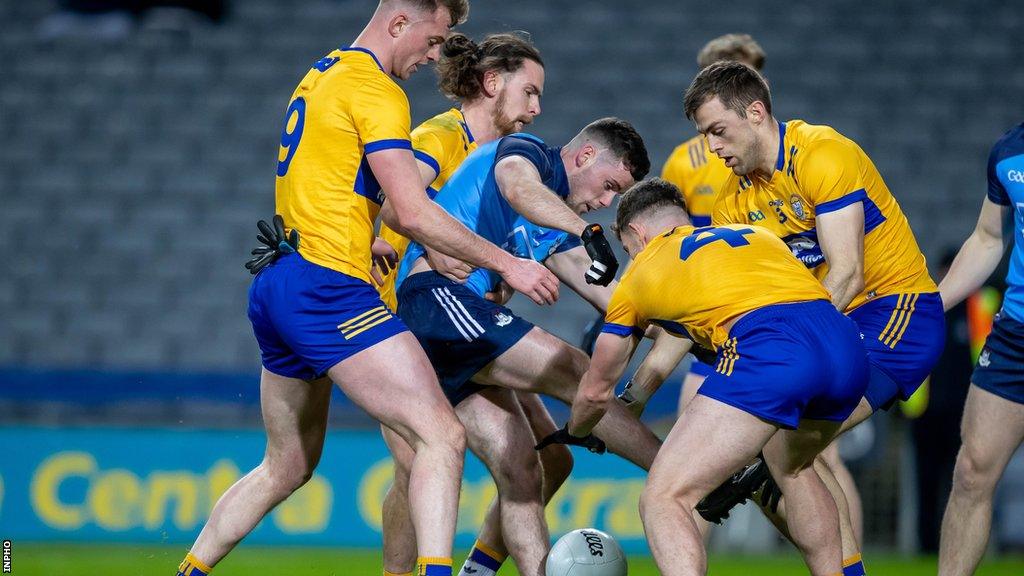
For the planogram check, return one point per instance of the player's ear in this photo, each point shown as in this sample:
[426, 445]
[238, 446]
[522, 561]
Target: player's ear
[493, 82]
[756, 112]
[586, 155]
[398, 24]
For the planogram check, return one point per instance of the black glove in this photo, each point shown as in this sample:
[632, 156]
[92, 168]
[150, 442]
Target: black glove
[603, 264]
[771, 494]
[275, 243]
[562, 436]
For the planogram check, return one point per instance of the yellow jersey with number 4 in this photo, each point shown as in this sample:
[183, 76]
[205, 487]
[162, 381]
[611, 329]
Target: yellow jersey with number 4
[696, 281]
[442, 143]
[345, 108]
[817, 171]
[699, 174]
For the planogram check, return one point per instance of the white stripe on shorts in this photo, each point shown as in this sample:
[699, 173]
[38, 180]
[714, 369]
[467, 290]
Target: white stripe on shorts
[457, 321]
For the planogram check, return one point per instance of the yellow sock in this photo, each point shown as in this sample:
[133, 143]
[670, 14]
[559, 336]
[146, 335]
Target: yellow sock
[433, 566]
[192, 566]
[386, 573]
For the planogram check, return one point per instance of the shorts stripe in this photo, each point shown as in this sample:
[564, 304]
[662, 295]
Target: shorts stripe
[907, 315]
[895, 312]
[379, 320]
[347, 324]
[464, 311]
[729, 357]
[467, 332]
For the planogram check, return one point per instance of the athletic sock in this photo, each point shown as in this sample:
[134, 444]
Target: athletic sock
[853, 566]
[386, 573]
[482, 561]
[192, 566]
[433, 566]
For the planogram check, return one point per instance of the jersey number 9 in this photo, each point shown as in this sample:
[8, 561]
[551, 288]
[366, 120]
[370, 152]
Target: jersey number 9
[290, 139]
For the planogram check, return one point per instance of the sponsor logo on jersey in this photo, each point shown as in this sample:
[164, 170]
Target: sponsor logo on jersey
[755, 215]
[1015, 176]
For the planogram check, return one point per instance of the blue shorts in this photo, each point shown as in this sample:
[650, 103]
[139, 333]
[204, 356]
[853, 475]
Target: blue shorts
[904, 335]
[786, 362]
[701, 369]
[307, 318]
[1000, 368]
[460, 331]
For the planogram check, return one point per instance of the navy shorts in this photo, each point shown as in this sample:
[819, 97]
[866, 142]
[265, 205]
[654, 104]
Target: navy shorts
[786, 362]
[307, 318]
[1000, 368]
[460, 331]
[904, 335]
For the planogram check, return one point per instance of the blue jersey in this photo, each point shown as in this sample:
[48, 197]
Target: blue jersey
[472, 197]
[1006, 188]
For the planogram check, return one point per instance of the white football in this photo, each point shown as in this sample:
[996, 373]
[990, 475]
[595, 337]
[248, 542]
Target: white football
[586, 552]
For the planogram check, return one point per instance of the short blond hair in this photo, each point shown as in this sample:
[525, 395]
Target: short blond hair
[733, 47]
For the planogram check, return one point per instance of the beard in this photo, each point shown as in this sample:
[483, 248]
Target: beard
[504, 123]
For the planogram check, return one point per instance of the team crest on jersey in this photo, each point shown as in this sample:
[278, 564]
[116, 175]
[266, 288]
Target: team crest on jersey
[502, 319]
[798, 207]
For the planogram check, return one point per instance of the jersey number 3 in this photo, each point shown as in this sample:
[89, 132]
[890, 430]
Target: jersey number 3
[703, 236]
[290, 138]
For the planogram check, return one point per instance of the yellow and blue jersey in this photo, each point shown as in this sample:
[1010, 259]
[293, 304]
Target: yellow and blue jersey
[699, 174]
[695, 281]
[442, 143]
[345, 108]
[817, 171]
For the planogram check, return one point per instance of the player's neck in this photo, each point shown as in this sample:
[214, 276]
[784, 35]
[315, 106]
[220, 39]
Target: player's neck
[768, 155]
[480, 121]
[372, 39]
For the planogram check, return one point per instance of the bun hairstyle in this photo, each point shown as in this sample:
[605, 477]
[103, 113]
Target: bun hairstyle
[464, 62]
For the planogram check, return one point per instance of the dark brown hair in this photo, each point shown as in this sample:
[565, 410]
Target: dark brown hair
[463, 63]
[459, 9]
[734, 83]
[644, 196]
[733, 47]
[624, 142]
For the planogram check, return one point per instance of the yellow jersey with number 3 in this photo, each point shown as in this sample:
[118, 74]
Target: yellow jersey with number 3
[699, 174]
[442, 143]
[695, 281]
[818, 170]
[345, 108]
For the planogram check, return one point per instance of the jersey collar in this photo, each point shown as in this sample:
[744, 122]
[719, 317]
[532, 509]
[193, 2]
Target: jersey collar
[560, 182]
[359, 49]
[465, 125]
[780, 162]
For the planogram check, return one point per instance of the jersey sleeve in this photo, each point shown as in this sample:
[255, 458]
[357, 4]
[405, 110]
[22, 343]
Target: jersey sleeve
[571, 241]
[996, 190]
[429, 148]
[532, 151]
[381, 116]
[621, 318]
[829, 175]
[671, 172]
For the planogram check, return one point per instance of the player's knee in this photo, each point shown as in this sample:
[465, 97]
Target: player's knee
[519, 471]
[972, 475]
[288, 474]
[658, 495]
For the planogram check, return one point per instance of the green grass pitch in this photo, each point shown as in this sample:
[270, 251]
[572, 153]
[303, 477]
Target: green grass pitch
[161, 560]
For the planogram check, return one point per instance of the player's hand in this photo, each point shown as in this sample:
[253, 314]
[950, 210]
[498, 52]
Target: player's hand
[451, 268]
[603, 265]
[532, 280]
[562, 436]
[501, 294]
[631, 398]
[384, 260]
[275, 243]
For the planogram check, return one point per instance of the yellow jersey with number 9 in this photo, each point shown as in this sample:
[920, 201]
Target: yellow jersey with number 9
[699, 174]
[695, 281]
[345, 108]
[442, 143]
[818, 170]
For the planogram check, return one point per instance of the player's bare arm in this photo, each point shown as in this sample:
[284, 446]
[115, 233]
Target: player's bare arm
[841, 236]
[666, 353]
[980, 254]
[571, 267]
[520, 183]
[410, 212]
[596, 390]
